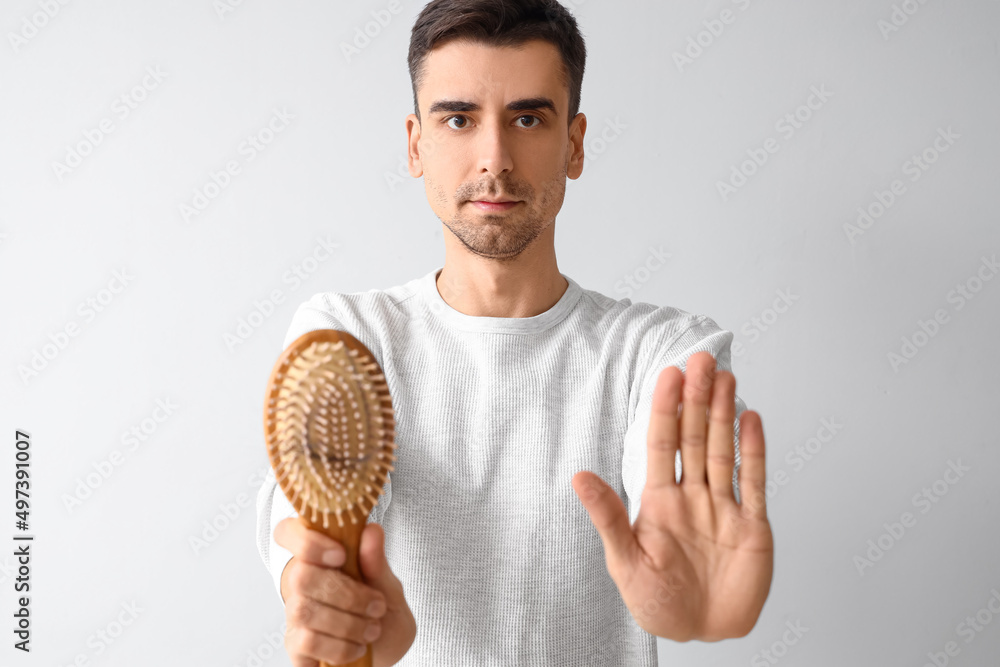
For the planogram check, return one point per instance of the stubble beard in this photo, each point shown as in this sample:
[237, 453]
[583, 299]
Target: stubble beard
[504, 236]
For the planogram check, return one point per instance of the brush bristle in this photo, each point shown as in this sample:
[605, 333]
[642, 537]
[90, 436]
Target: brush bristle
[330, 430]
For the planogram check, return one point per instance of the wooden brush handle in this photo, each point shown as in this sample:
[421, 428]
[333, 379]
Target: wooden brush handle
[350, 537]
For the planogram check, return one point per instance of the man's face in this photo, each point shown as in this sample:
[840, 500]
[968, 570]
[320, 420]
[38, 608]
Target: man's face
[467, 154]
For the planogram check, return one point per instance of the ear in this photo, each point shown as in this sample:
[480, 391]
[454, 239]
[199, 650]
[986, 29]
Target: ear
[577, 130]
[413, 130]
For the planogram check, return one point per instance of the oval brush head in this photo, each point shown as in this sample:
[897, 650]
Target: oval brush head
[330, 434]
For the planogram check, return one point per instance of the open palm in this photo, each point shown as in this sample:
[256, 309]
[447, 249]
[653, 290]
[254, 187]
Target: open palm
[695, 564]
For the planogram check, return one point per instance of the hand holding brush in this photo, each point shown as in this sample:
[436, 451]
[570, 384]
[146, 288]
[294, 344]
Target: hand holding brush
[329, 428]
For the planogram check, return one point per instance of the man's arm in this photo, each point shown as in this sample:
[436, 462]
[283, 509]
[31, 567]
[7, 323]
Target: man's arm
[706, 559]
[272, 507]
[702, 334]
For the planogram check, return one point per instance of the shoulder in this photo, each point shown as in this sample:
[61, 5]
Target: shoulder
[366, 315]
[653, 332]
[647, 338]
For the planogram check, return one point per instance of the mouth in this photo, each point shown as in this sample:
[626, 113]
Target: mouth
[499, 205]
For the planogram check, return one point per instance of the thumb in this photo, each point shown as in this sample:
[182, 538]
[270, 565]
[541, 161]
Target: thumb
[374, 566]
[610, 518]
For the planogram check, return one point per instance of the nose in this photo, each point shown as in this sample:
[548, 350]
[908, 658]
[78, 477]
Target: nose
[492, 152]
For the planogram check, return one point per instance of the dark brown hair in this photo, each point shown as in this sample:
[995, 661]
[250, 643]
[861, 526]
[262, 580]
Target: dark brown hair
[500, 23]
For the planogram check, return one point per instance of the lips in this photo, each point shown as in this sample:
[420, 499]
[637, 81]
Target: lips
[485, 205]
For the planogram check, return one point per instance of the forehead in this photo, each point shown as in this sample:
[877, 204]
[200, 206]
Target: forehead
[461, 69]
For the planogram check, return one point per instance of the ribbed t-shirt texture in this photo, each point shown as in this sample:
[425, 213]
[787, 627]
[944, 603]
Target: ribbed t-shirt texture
[498, 558]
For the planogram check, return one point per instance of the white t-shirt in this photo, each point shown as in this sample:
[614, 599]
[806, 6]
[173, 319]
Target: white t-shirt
[499, 560]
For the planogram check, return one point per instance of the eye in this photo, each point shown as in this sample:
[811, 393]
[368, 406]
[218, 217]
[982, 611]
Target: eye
[532, 116]
[447, 121]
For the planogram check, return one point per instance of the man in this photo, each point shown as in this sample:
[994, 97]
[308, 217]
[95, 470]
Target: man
[529, 410]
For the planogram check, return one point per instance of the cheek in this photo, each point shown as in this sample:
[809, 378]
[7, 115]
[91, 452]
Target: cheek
[552, 192]
[435, 193]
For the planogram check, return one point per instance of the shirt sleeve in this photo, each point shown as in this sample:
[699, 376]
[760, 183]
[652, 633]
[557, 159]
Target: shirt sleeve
[272, 505]
[703, 334]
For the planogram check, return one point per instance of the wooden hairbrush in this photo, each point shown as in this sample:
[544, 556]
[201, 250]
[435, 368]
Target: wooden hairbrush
[330, 434]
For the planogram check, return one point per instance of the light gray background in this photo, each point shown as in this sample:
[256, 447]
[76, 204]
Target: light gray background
[338, 170]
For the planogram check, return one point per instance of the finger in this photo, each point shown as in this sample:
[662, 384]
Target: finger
[305, 612]
[753, 499]
[309, 643]
[721, 455]
[297, 659]
[375, 568]
[371, 558]
[610, 518]
[661, 438]
[694, 417]
[334, 588]
[308, 545]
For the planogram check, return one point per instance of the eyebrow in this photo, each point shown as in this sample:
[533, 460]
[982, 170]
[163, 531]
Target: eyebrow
[526, 104]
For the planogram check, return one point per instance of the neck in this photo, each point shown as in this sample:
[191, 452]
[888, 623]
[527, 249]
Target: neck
[525, 286]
